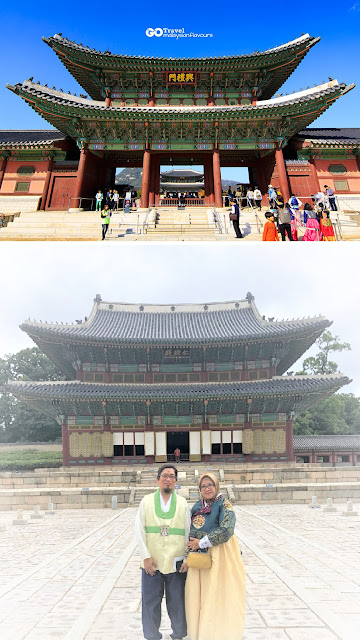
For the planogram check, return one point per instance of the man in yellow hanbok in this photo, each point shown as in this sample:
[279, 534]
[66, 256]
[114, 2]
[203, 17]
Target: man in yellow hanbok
[162, 527]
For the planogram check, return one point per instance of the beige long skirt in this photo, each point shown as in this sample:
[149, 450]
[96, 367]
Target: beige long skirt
[215, 598]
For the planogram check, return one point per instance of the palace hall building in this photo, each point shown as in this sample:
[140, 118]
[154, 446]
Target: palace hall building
[148, 112]
[142, 380]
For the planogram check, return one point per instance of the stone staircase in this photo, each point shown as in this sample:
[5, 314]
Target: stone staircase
[54, 225]
[176, 222]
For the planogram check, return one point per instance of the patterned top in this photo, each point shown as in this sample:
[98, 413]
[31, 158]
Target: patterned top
[219, 525]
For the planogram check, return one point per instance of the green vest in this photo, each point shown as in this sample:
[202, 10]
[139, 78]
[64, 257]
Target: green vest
[105, 220]
[165, 532]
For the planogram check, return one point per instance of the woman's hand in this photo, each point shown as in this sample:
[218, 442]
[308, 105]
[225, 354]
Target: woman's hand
[193, 544]
[183, 568]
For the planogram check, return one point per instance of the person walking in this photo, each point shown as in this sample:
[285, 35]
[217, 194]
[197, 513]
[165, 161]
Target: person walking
[162, 526]
[329, 193]
[257, 198]
[235, 218]
[177, 454]
[285, 222]
[105, 220]
[272, 197]
[115, 201]
[250, 198]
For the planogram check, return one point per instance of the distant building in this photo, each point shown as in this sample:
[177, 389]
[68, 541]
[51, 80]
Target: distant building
[328, 450]
[207, 378]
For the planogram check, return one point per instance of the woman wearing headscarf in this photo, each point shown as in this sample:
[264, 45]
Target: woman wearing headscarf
[215, 597]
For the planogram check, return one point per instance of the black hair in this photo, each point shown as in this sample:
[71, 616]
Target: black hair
[268, 214]
[166, 466]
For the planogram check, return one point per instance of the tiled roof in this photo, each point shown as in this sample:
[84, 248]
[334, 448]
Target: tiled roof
[182, 173]
[31, 89]
[57, 39]
[186, 324]
[33, 137]
[341, 135]
[286, 386]
[326, 443]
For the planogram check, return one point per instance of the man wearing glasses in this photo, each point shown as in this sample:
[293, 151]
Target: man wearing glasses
[162, 528]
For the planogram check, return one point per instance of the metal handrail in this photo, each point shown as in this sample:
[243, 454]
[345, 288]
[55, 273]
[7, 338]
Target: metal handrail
[80, 202]
[217, 220]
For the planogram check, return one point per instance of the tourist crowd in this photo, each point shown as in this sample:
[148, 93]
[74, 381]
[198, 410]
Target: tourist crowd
[286, 218]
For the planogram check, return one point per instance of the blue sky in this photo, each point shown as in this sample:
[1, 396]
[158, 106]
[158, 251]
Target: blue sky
[236, 29]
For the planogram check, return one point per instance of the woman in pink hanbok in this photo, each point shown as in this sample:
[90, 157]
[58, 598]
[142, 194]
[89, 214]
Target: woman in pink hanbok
[312, 232]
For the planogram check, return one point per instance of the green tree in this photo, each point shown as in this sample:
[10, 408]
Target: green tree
[321, 363]
[339, 414]
[19, 422]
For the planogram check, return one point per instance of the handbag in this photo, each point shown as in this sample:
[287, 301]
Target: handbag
[233, 216]
[198, 560]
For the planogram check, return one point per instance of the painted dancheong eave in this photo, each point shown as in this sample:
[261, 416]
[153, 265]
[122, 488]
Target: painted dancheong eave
[94, 70]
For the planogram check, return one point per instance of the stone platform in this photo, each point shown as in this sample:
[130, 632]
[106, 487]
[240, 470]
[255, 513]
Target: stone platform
[75, 575]
[79, 488]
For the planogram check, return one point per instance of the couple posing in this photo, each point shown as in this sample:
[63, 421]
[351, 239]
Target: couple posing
[168, 535]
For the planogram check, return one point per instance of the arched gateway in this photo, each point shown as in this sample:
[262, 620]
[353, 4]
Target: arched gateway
[143, 380]
[147, 112]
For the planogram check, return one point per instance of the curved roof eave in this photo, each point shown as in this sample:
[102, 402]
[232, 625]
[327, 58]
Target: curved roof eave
[291, 385]
[105, 56]
[51, 95]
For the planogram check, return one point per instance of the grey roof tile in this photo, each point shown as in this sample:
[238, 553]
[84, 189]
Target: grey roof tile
[326, 443]
[162, 324]
[286, 385]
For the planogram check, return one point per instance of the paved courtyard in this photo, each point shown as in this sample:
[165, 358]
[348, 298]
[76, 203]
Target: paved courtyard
[75, 575]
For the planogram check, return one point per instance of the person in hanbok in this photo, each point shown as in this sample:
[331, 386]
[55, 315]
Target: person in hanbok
[312, 231]
[215, 598]
[326, 227]
[294, 221]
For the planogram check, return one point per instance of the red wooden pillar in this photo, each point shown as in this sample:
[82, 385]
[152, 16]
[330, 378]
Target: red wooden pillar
[208, 181]
[315, 184]
[65, 443]
[217, 179]
[80, 176]
[283, 178]
[2, 168]
[108, 101]
[152, 182]
[157, 181]
[145, 180]
[253, 99]
[46, 185]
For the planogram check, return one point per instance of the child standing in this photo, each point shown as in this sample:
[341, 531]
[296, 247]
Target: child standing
[270, 231]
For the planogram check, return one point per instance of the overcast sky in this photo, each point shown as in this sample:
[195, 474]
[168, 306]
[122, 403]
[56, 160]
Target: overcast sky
[58, 282]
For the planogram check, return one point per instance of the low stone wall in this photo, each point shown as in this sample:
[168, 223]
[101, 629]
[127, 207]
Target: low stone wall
[295, 494]
[93, 498]
[290, 475]
[60, 478]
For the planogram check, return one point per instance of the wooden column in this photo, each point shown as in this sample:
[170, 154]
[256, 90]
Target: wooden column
[46, 185]
[152, 182]
[289, 441]
[108, 101]
[2, 169]
[80, 176]
[253, 99]
[217, 179]
[208, 181]
[283, 178]
[157, 181]
[315, 184]
[145, 180]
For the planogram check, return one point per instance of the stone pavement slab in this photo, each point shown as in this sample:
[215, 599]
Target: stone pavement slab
[75, 575]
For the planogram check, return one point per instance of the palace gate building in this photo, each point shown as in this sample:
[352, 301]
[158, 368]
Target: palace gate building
[149, 112]
[142, 380]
